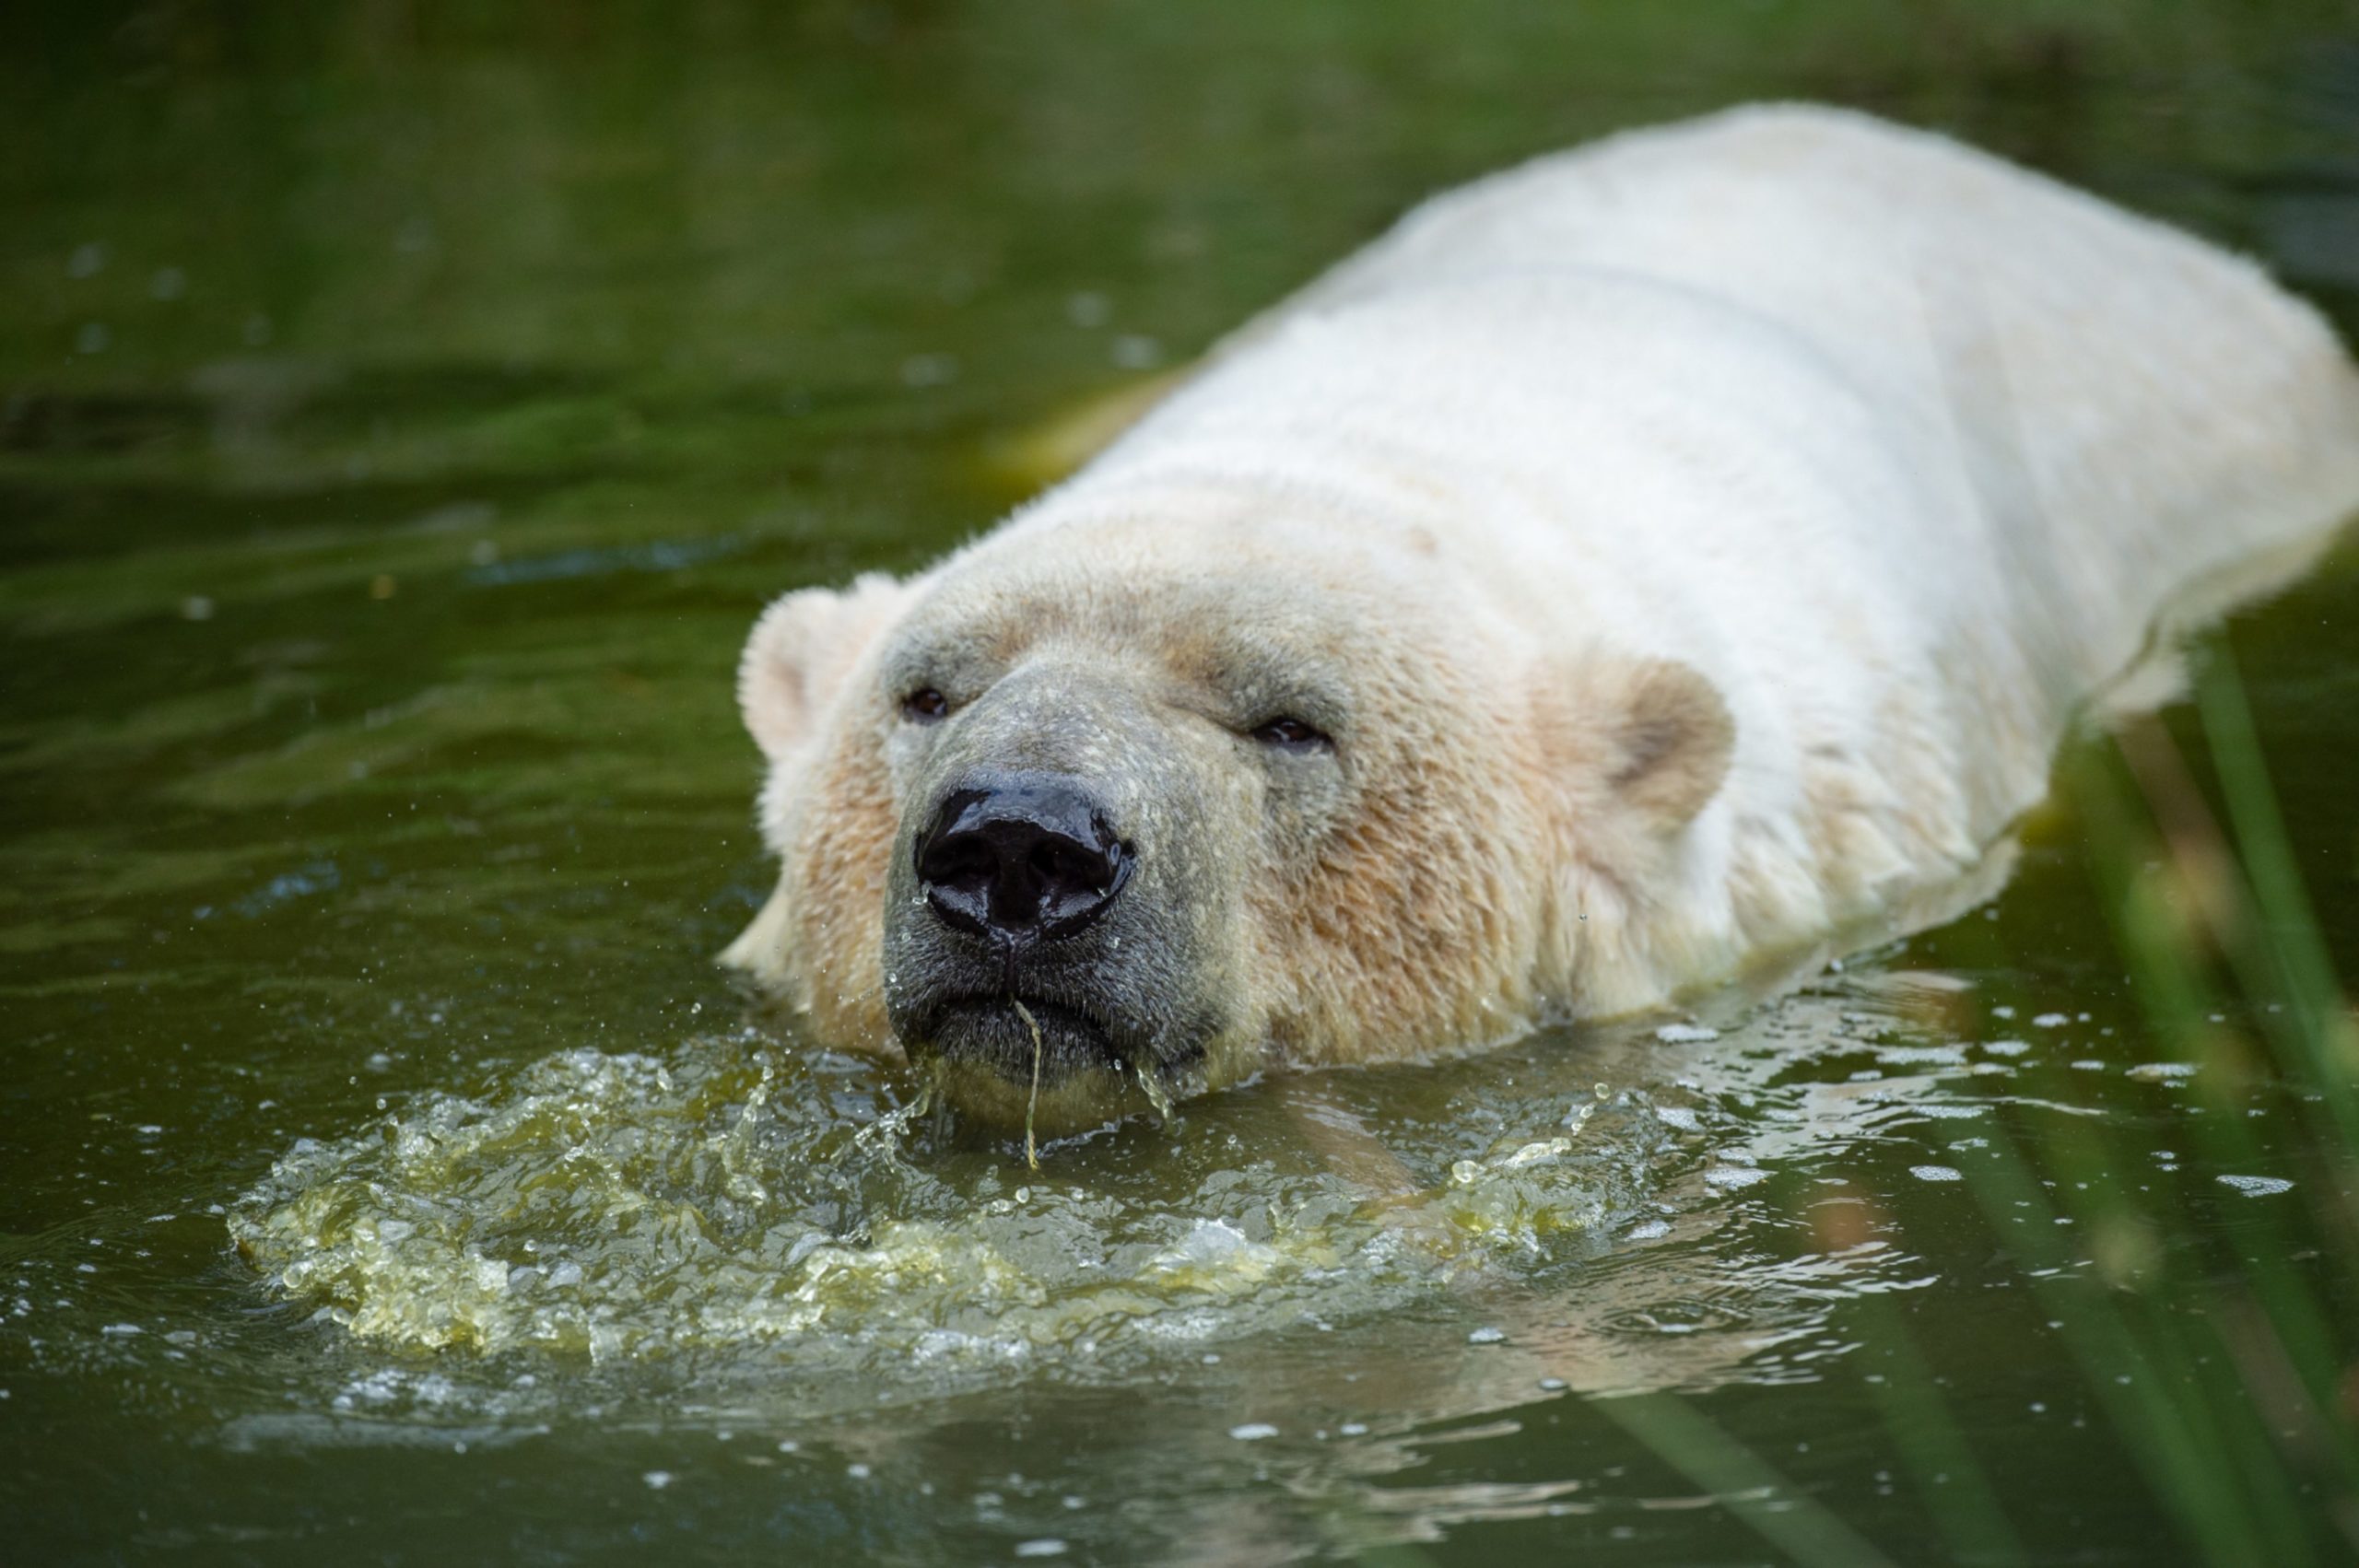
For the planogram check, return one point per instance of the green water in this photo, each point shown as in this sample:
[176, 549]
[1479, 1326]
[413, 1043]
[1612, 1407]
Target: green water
[403, 411]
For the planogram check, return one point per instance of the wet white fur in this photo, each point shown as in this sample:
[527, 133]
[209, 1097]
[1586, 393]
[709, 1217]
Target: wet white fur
[1908, 451]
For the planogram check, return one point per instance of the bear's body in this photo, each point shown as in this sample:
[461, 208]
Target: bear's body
[1691, 547]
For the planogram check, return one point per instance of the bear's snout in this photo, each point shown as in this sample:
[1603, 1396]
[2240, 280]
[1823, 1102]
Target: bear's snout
[1021, 857]
[1056, 935]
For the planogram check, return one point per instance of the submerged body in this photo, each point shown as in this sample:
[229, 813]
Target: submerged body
[1641, 567]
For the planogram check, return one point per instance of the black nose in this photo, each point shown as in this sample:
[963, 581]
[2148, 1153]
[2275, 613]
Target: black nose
[1027, 857]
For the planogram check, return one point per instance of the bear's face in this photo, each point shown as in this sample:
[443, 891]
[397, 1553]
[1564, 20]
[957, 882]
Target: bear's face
[1273, 797]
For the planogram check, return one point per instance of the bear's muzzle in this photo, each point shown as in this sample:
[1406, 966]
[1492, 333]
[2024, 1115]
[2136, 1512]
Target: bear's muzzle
[1017, 873]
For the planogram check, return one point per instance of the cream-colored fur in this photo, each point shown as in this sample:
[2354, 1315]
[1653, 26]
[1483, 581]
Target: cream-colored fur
[1737, 514]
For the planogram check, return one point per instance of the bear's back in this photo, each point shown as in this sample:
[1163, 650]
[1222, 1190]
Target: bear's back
[2125, 410]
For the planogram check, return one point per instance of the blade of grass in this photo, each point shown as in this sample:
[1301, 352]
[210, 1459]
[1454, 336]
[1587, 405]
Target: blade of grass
[2277, 1503]
[2319, 1034]
[2176, 1453]
[2174, 993]
[1965, 1508]
[1742, 1482]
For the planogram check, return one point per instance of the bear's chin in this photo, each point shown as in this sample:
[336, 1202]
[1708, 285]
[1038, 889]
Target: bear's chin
[985, 1050]
[1083, 1098]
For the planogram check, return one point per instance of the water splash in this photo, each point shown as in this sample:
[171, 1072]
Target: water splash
[769, 1207]
[751, 1211]
[1151, 1085]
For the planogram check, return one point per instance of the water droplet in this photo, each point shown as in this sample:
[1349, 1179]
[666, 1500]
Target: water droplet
[2161, 1072]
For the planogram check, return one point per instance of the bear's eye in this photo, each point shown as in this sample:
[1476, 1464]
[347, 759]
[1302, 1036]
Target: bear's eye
[1292, 734]
[925, 704]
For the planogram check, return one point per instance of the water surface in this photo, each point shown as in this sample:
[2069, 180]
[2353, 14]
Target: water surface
[403, 414]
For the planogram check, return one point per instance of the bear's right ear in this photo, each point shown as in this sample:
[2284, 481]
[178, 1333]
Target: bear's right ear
[1652, 738]
[803, 648]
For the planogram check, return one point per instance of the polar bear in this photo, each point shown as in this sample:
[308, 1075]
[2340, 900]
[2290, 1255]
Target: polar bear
[1635, 570]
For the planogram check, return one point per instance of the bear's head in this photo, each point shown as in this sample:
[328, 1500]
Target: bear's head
[1205, 790]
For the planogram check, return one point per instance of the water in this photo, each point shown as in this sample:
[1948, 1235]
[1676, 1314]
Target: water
[401, 419]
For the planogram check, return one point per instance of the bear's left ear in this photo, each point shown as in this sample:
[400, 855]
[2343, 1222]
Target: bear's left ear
[1652, 735]
[803, 648]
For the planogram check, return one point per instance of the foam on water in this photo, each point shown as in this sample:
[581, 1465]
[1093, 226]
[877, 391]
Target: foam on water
[731, 1197]
[735, 1212]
